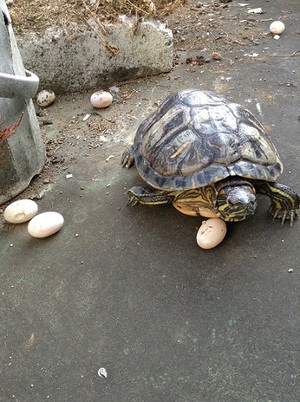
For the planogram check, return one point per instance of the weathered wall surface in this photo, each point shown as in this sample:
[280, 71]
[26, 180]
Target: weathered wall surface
[69, 62]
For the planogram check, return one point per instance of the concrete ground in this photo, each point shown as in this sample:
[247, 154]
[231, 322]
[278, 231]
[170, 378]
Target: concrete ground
[128, 289]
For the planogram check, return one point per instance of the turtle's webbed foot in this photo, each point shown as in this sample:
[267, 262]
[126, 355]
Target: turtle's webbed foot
[284, 200]
[128, 158]
[283, 215]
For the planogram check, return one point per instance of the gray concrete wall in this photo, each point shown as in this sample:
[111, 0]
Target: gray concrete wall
[79, 59]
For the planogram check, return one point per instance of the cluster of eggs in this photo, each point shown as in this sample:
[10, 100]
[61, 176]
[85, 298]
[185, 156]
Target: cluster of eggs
[99, 99]
[47, 223]
[41, 225]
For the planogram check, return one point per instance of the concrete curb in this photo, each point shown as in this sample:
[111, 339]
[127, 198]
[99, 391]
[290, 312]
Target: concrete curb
[81, 58]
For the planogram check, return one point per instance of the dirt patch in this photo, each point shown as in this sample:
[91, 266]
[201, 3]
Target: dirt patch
[74, 131]
[214, 26]
[29, 15]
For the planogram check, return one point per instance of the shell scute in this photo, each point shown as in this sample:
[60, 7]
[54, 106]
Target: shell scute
[197, 137]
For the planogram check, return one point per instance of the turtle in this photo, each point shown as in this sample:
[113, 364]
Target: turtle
[208, 156]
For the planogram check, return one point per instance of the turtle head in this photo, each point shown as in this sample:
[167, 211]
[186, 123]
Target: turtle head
[235, 201]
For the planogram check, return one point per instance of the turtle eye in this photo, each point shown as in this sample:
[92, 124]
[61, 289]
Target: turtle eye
[252, 199]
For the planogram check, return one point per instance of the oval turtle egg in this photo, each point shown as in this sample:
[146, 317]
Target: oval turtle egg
[211, 233]
[101, 99]
[277, 27]
[45, 224]
[20, 211]
[45, 98]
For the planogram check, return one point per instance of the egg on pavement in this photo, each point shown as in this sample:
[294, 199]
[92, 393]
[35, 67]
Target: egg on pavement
[211, 233]
[101, 99]
[45, 224]
[277, 27]
[20, 211]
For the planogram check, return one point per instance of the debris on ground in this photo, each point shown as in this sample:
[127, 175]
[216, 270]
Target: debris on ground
[28, 15]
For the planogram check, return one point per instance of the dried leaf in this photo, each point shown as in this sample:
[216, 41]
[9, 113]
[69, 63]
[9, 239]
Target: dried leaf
[216, 56]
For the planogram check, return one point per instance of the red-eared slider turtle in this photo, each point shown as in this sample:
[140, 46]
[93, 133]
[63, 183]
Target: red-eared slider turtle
[207, 156]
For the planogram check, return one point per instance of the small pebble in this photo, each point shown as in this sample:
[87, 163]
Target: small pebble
[114, 89]
[255, 11]
[47, 122]
[102, 372]
[86, 117]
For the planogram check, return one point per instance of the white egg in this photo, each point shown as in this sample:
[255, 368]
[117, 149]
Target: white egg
[20, 211]
[45, 224]
[45, 98]
[277, 27]
[211, 233]
[101, 99]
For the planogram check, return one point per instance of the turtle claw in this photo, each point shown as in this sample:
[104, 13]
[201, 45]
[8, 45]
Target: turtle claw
[283, 215]
[132, 200]
[293, 215]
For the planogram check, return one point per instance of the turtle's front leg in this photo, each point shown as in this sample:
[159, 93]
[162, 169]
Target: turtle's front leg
[284, 200]
[148, 196]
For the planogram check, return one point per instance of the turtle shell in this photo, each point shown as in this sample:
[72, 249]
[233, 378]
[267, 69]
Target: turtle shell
[198, 137]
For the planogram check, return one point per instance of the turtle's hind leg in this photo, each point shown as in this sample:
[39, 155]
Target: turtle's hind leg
[127, 159]
[148, 196]
[284, 200]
